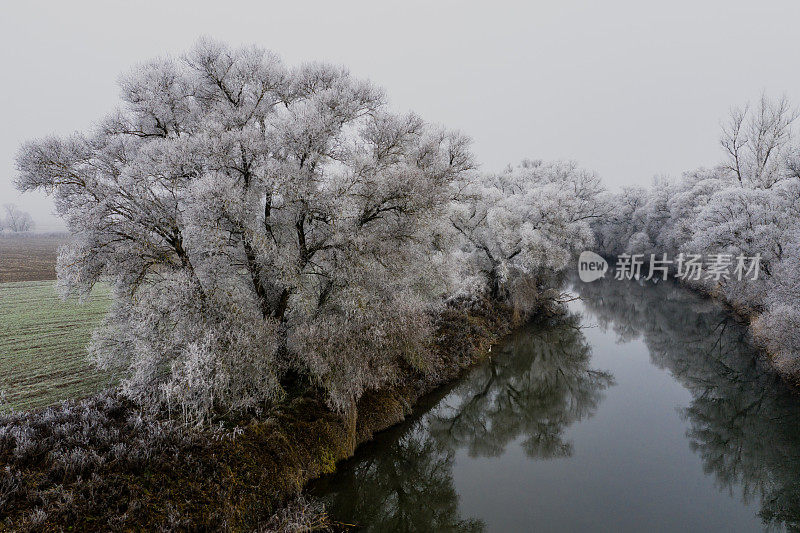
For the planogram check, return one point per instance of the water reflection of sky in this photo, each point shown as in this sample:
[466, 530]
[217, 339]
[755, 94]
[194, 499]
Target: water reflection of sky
[647, 412]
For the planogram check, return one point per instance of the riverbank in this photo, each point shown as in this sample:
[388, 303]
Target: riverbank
[100, 464]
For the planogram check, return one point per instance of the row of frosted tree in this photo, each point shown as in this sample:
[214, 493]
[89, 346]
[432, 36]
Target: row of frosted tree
[260, 222]
[746, 206]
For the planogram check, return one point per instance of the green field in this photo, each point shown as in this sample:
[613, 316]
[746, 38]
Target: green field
[43, 357]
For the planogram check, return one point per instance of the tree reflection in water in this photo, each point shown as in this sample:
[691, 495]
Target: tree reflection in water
[533, 390]
[744, 422]
[538, 386]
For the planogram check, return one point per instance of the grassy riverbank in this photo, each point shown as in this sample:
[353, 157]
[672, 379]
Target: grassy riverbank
[124, 470]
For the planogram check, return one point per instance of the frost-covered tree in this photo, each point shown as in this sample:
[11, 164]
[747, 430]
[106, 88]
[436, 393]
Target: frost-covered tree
[624, 218]
[757, 140]
[17, 220]
[525, 221]
[255, 220]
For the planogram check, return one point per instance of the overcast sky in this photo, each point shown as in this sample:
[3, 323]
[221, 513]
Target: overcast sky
[630, 89]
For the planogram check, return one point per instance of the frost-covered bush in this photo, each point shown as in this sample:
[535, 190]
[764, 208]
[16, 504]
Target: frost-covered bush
[239, 205]
[366, 340]
[98, 462]
[779, 329]
[74, 439]
[778, 326]
[189, 357]
[299, 515]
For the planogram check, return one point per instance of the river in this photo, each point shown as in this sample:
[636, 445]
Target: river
[646, 408]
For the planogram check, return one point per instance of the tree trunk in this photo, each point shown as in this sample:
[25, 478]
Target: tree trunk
[495, 285]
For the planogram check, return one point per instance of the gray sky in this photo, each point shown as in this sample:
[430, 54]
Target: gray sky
[630, 89]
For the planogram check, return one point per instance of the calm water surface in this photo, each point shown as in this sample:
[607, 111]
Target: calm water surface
[646, 409]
